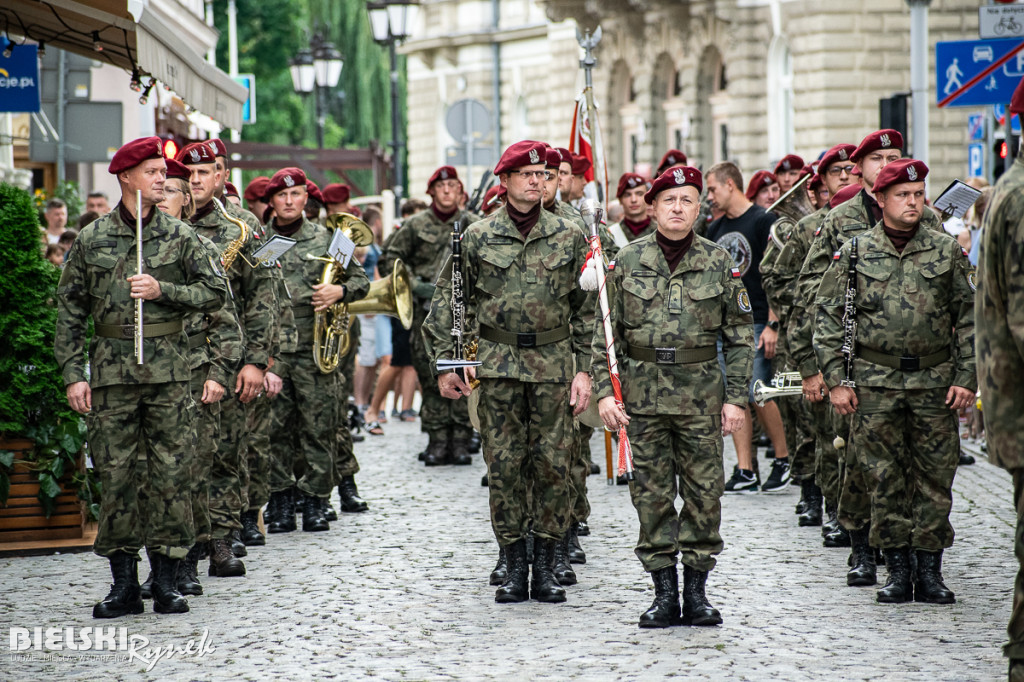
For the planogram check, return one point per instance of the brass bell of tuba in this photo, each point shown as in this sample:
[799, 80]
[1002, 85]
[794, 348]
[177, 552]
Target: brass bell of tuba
[388, 296]
[790, 208]
[331, 326]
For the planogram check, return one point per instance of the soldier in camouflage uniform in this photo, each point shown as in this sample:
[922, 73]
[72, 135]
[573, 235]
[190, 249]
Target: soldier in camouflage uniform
[635, 223]
[253, 291]
[519, 285]
[999, 303]
[304, 433]
[835, 172]
[423, 244]
[139, 415]
[913, 369]
[670, 297]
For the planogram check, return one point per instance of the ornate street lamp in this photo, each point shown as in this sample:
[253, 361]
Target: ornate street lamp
[317, 68]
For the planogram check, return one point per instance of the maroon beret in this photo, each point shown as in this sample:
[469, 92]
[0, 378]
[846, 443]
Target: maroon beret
[230, 190]
[815, 182]
[254, 190]
[566, 154]
[218, 146]
[789, 162]
[844, 195]
[580, 164]
[761, 178]
[525, 153]
[553, 158]
[443, 173]
[897, 172]
[195, 153]
[336, 193]
[1017, 101]
[673, 157]
[314, 191]
[841, 152]
[284, 179]
[880, 139]
[176, 169]
[676, 176]
[630, 181]
[135, 152]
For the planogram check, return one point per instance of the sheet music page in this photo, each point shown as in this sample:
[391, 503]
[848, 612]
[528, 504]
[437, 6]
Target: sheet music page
[275, 247]
[956, 199]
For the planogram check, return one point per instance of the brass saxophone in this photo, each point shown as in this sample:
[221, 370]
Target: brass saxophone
[233, 250]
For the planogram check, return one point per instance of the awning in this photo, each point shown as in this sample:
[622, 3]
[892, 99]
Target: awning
[152, 35]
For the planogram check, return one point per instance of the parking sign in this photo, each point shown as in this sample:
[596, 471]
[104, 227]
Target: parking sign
[975, 160]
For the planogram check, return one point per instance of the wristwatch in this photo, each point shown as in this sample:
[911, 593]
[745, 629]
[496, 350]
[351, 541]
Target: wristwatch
[773, 325]
[262, 366]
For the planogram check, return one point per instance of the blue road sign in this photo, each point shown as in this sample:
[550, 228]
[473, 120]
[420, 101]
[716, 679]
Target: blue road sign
[1000, 113]
[977, 72]
[249, 108]
[975, 160]
[976, 127]
[19, 79]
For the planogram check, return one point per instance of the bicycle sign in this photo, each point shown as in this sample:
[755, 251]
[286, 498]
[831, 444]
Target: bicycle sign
[1001, 21]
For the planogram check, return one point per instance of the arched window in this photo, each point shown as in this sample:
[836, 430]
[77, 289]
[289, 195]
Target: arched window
[780, 98]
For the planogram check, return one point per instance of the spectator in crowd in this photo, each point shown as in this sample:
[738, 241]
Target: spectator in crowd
[64, 244]
[87, 218]
[97, 203]
[55, 254]
[56, 215]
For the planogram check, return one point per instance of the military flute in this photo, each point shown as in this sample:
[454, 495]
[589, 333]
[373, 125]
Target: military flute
[138, 271]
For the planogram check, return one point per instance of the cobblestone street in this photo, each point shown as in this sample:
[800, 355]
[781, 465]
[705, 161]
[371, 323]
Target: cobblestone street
[401, 592]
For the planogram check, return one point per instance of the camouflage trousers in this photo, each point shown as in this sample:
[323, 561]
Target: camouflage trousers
[527, 437]
[677, 455]
[1014, 648]
[207, 433]
[800, 440]
[141, 440]
[440, 418]
[578, 472]
[256, 473]
[227, 494]
[304, 433]
[345, 462]
[906, 445]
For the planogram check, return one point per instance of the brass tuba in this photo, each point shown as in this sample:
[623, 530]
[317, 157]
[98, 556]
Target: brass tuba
[388, 296]
[330, 327]
[791, 208]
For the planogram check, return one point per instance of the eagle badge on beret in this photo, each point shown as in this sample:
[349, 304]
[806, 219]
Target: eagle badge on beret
[444, 174]
[911, 173]
[843, 155]
[884, 141]
[194, 153]
[679, 176]
[534, 156]
[288, 181]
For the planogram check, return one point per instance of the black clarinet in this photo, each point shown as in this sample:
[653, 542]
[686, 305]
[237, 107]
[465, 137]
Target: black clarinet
[850, 317]
[458, 305]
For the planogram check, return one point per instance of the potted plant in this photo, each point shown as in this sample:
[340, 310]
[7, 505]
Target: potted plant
[41, 438]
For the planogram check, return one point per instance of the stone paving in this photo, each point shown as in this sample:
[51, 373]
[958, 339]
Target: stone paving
[401, 593]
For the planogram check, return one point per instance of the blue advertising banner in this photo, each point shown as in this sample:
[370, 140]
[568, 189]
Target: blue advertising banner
[19, 78]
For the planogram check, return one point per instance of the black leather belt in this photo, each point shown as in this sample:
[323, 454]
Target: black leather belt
[905, 363]
[149, 331]
[300, 311]
[524, 339]
[672, 356]
[197, 340]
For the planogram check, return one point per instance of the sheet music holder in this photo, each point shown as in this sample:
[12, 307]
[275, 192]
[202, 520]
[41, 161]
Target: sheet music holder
[275, 247]
[956, 199]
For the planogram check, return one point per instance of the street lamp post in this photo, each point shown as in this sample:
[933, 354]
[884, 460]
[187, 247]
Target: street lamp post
[391, 22]
[317, 68]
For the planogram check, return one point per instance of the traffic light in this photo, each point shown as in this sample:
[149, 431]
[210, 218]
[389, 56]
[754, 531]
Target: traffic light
[170, 148]
[1001, 155]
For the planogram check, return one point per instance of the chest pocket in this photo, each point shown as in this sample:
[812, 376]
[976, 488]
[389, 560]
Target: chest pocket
[494, 269]
[638, 299]
[707, 304]
[160, 261]
[559, 272]
[102, 259]
[934, 281]
[873, 276]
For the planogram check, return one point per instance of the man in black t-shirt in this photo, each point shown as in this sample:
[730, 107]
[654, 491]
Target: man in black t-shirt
[744, 231]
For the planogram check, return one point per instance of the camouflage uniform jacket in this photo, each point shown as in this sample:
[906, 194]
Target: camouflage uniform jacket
[423, 243]
[840, 225]
[520, 285]
[911, 304]
[1000, 318]
[94, 283]
[654, 308]
[222, 349]
[301, 270]
[608, 242]
[253, 290]
[781, 267]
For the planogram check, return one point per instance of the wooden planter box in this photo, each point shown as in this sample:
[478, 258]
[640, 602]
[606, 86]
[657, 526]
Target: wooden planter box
[22, 519]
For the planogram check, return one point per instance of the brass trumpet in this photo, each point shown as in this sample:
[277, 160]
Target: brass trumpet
[782, 384]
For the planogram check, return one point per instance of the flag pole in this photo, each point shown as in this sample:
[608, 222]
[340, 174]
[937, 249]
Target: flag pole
[588, 41]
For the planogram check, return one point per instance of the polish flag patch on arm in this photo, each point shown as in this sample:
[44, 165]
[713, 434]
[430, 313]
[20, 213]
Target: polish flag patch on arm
[736, 272]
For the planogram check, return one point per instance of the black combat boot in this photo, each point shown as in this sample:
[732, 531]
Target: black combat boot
[474, 443]
[251, 534]
[582, 529]
[237, 546]
[223, 563]
[125, 595]
[313, 517]
[146, 590]
[898, 588]
[500, 572]
[561, 567]
[543, 586]
[840, 537]
[351, 503]
[928, 586]
[594, 468]
[437, 453]
[664, 611]
[831, 518]
[576, 553]
[460, 452]
[813, 499]
[329, 513]
[530, 544]
[188, 573]
[801, 506]
[283, 507]
[514, 589]
[483, 481]
[697, 610]
[864, 573]
[166, 597]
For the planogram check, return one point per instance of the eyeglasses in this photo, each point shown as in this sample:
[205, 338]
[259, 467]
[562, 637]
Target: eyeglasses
[539, 175]
[835, 171]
